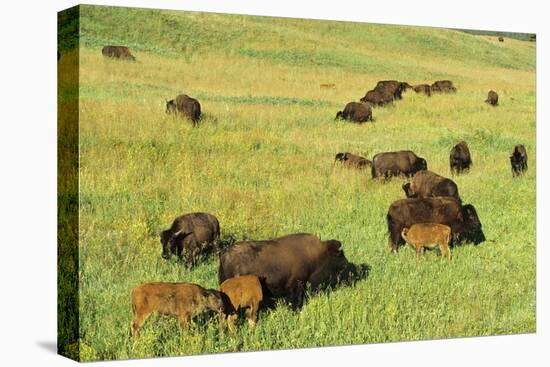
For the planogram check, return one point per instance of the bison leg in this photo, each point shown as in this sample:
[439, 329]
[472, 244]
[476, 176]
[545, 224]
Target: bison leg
[251, 315]
[137, 322]
[395, 236]
[419, 252]
[231, 322]
[296, 294]
[184, 321]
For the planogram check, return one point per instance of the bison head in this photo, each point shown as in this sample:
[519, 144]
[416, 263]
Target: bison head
[472, 226]
[214, 300]
[408, 190]
[170, 106]
[420, 165]
[172, 243]
[340, 157]
[332, 268]
[339, 115]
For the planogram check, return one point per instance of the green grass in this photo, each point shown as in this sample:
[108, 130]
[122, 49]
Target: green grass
[262, 162]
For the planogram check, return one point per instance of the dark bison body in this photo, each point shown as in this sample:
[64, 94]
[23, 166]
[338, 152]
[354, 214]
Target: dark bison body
[397, 163]
[377, 98]
[423, 88]
[518, 159]
[428, 184]
[392, 87]
[287, 264]
[443, 86]
[463, 220]
[356, 112]
[352, 160]
[188, 106]
[118, 52]
[492, 98]
[460, 159]
[501, 39]
[189, 236]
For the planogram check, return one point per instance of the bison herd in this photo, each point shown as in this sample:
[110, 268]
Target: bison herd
[255, 272]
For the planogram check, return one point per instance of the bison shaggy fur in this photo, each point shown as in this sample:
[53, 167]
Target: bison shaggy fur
[492, 98]
[518, 160]
[404, 162]
[428, 184]
[353, 161]
[187, 106]
[460, 159]
[118, 52]
[443, 86]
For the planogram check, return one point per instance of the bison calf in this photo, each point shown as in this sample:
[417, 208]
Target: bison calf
[423, 88]
[243, 293]
[518, 159]
[428, 235]
[352, 160]
[492, 98]
[181, 300]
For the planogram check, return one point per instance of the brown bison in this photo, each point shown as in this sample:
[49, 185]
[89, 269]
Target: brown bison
[501, 39]
[443, 86]
[352, 160]
[428, 184]
[392, 87]
[423, 88]
[518, 159]
[492, 98]
[243, 293]
[463, 220]
[377, 98]
[428, 235]
[286, 265]
[188, 106]
[403, 162]
[356, 112]
[181, 300]
[118, 52]
[190, 235]
[460, 159]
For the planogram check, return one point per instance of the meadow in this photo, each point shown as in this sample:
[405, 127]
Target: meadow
[262, 161]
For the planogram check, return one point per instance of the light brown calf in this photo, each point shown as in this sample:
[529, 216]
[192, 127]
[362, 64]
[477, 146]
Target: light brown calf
[243, 292]
[181, 300]
[428, 235]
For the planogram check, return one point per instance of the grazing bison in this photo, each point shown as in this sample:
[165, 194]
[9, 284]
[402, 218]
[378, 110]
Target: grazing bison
[443, 86]
[501, 39]
[356, 112]
[188, 106]
[518, 159]
[352, 160]
[181, 300]
[460, 159]
[242, 293]
[377, 98]
[492, 98]
[118, 52]
[285, 265]
[428, 184]
[403, 162]
[423, 88]
[463, 220]
[392, 87]
[190, 235]
[428, 235]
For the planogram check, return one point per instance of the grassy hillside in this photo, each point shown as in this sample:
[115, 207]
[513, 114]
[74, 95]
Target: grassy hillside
[262, 162]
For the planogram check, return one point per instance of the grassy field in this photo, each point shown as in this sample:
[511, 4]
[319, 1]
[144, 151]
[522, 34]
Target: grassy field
[262, 162]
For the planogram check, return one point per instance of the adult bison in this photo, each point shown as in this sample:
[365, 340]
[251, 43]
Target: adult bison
[428, 184]
[356, 112]
[188, 106]
[403, 162]
[492, 98]
[392, 87]
[463, 220]
[423, 88]
[352, 160]
[443, 86]
[118, 52]
[518, 159]
[190, 235]
[286, 265]
[377, 98]
[460, 159]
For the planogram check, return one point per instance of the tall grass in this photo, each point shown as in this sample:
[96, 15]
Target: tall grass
[262, 162]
